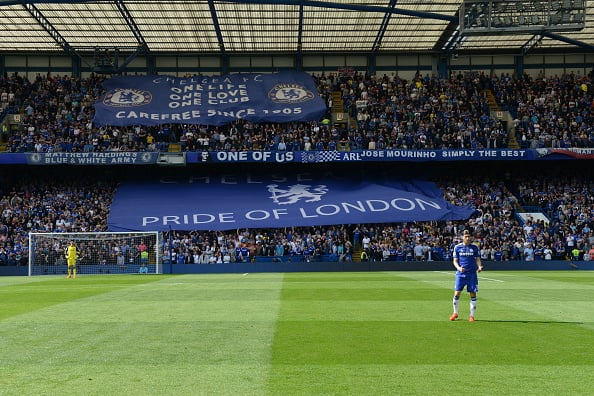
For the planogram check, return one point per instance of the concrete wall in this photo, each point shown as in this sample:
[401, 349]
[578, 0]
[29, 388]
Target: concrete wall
[404, 65]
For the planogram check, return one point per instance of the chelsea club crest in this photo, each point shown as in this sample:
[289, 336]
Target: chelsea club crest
[127, 97]
[289, 93]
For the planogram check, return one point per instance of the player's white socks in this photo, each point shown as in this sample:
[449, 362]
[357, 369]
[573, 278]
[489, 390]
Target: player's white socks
[456, 301]
[472, 306]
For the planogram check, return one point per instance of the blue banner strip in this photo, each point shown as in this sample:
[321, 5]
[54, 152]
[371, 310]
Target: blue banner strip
[390, 155]
[145, 158]
[99, 158]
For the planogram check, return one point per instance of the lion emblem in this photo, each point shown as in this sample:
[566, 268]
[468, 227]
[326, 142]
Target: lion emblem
[295, 193]
[127, 97]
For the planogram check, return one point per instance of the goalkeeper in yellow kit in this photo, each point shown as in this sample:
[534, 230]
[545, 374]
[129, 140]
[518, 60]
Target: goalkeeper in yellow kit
[71, 256]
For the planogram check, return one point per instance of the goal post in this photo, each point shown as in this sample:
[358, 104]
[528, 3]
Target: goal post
[98, 253]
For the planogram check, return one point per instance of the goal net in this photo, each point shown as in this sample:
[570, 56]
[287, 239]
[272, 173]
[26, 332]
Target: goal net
[97, 253]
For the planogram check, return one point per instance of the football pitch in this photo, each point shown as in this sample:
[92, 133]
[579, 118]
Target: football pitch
[380, 333]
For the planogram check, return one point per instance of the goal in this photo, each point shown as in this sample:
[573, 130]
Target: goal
[98, 253]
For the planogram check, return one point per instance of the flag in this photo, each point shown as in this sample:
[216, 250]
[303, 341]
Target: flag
[319, 156]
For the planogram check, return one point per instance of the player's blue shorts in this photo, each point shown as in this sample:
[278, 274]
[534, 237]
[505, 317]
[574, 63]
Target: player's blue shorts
[470, 281]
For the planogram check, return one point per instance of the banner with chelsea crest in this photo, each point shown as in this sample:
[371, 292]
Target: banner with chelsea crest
[154, 100]
[257, 201]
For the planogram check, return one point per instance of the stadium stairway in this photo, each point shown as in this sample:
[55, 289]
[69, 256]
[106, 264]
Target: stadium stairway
[492, 101]
[505, 116]
[339, 116]
[512, 142]
[337, 102]
[174, 148]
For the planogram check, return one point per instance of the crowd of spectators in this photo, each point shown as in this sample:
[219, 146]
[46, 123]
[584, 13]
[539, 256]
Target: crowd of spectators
[61, 203]
[80, 202]
[388, 112]
[391, 112]
[553, 111]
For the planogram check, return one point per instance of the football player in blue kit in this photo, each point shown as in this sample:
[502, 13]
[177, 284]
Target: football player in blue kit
[467, 260]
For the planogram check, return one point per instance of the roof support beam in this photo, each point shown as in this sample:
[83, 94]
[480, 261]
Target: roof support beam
[131, 24]
[352, 7]
[21, 2]
[299, 53]
[48, 27]
[216, 25]
[307, 3]
[382, 30]
[142, 44]
[448, 39]
[567, 40]
[51, 30]
[531, 44]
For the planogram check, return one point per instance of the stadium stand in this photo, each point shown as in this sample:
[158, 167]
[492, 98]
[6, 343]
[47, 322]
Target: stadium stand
[79, 201]
[425, 113]
[56, 117]
[525, 210]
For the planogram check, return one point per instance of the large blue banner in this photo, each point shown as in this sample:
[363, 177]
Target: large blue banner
[231, 202]
[154, 100]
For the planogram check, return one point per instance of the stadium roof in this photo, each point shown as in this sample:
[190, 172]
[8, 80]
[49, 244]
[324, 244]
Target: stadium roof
[258, 27]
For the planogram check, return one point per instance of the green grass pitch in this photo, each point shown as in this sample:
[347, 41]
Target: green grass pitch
[383, 333]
